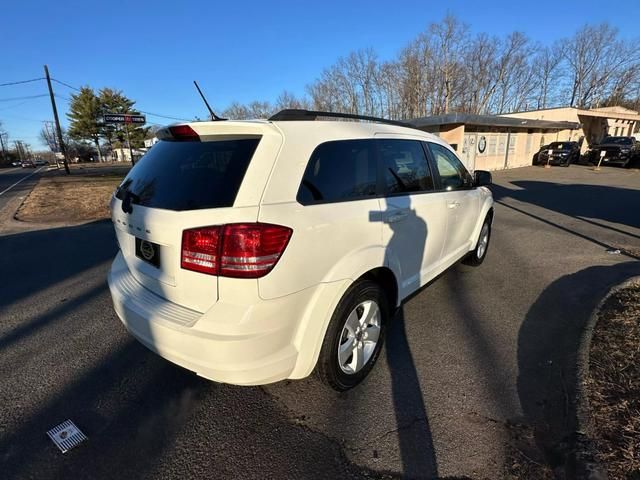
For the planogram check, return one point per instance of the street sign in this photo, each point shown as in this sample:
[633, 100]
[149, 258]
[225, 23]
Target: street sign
[124, 118]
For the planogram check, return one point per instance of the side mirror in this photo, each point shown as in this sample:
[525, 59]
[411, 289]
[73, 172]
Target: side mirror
[482, 178]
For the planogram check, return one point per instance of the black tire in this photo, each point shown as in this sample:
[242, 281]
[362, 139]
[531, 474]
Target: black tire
[567, 163]
[328, 367]
[477, 256]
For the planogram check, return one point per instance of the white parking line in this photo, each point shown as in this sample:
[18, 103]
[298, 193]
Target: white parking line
[23, 178]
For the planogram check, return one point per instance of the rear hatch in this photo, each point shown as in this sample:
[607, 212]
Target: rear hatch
[176, 186]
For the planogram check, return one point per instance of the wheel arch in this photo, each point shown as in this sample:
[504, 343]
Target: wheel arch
[310, 339]
[486, 212]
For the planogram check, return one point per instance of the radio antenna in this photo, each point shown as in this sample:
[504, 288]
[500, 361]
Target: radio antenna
[214, 117]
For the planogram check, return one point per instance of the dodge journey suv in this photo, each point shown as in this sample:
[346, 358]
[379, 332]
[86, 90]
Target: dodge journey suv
[256, 251]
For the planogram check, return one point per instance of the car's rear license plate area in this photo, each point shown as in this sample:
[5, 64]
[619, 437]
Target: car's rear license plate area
[148, 251]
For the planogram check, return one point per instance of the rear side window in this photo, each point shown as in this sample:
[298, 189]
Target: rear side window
[189, 175]
[338, 171]
[405, 167]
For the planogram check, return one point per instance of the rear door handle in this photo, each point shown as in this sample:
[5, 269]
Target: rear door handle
[396, 217]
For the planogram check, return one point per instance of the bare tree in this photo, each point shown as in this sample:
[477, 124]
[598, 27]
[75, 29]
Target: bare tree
[546, 65]
[597, 63]
[449, 40]
[446, 68]
[289, 100]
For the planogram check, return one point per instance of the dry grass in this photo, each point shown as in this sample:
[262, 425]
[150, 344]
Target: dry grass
[81, 196]
[523, 458]
[614, 384]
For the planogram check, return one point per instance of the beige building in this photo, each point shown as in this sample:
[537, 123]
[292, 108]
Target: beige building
[497, 142]
[491, 142]
[595, 123]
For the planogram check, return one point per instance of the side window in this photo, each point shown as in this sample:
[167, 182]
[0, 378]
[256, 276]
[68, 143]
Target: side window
[405, 166]
[453, 175]
[339, 171]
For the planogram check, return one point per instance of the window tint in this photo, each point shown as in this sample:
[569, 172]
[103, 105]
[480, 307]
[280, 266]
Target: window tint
[618, 140]
[405, 166]
[453, 175]
[340, 170]
[189, 175]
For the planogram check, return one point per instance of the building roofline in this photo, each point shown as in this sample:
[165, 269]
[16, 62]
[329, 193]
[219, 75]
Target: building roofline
[539, 110]
[591, 112]
[492, 121]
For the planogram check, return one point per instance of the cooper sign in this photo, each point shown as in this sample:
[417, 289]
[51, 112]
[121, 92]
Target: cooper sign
[124, 118]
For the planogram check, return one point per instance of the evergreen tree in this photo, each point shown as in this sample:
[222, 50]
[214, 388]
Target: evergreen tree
[85, 117]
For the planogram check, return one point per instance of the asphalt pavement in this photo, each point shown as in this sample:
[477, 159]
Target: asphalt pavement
[477, 352]
[15, 185]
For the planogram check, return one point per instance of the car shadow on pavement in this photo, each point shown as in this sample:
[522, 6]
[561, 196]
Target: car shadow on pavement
[579, 201]
[412, 421]
[549, 348]
[35, 260]
[500, 193]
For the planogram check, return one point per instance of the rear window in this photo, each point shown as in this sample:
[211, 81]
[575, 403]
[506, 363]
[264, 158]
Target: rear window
[562, 146]
[189, 175]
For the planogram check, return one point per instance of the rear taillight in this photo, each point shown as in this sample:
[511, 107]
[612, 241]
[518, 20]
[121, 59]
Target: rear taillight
[244, 250]
[201, 249]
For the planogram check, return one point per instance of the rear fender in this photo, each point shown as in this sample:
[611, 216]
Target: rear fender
[313, 326]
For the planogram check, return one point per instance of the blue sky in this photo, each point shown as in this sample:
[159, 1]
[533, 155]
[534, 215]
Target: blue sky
[240, 50]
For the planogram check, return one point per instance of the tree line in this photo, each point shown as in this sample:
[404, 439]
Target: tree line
[447, 69]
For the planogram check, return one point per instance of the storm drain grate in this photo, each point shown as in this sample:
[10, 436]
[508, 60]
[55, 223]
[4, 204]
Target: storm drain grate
[66, 436]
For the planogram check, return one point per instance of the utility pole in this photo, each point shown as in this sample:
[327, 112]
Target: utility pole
[18, 145]
[126, 129]
[63, 150]
[4, 152]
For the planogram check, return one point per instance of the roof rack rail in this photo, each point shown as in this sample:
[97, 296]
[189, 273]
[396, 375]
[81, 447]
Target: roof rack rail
[300, 114]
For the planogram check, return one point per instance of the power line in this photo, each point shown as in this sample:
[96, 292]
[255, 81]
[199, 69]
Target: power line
[20, 82]
[141, 111]
[66, 84]
[14, 106]
[22, 98]
[165, 116]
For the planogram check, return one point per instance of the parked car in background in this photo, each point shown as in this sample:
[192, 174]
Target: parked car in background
[559, 153]
[620, 151]
[39, 162]
[536, 156]
[16, 164]
[28, 164]
[256, 251]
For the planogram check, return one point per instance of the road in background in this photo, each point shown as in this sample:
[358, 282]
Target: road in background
[478, 351]
[16, 182]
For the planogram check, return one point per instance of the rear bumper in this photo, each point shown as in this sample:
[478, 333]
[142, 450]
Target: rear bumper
[231, 343]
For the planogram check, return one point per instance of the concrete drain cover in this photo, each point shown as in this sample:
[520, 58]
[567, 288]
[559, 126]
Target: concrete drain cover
[66, 436]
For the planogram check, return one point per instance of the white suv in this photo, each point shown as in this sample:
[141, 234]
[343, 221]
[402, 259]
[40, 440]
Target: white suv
[254, 251]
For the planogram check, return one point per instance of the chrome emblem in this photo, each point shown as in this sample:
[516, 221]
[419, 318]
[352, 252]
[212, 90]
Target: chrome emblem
[147, 250]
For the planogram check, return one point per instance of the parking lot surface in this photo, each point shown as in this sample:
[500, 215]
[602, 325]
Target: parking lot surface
[475, 353]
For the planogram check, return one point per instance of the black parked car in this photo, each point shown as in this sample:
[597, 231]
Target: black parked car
[558, 153]
[622, 151]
